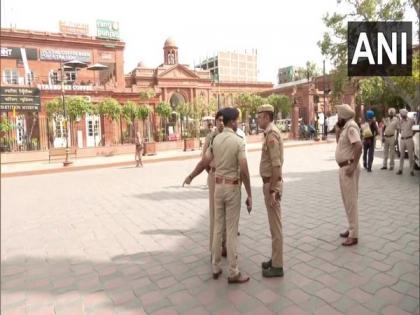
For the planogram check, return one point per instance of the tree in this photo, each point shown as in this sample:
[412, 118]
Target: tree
[129, 111]
[311, 70]
[164, 110]
[281, 104]
[334, 42]
[111, 109]
[143, 113]
[184, 110]
[145, 97]
[54, 107]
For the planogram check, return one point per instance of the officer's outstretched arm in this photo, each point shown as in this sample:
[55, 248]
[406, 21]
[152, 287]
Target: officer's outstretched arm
[201, 166]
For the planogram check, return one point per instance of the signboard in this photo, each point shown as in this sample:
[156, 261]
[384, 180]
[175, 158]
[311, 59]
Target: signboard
[74, 28]
[65, 55]
[22, 99]
[57, 87]
[15, 53]
[106, 56]
[107, 29]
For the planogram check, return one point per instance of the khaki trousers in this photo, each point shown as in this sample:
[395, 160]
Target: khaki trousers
[211, 185]
[227, 207]
[389, 150]
[408, 145]
[274, 220]
[349, 186]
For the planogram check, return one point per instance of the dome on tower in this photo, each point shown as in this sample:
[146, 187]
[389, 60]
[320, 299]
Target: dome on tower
[141, 64]
[170, 42]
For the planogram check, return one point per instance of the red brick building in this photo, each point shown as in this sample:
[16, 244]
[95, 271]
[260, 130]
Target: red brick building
[30, 63]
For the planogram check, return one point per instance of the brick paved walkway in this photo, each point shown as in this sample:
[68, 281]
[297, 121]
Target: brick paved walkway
[132, 241]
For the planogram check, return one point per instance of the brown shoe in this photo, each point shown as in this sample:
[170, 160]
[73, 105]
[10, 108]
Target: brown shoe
[238, 279]
[224, 251]
[345, 234]
[216, 275]
[350, 241]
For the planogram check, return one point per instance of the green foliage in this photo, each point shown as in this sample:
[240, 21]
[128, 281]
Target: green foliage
[143, 112]
[55, 106]
[77, 106]
[334, 42]
[5, 124]
[184, 109]
[129, 111]
[311, 70]
[164, 110]
[110, 108]
[281, 104]
[147, 94]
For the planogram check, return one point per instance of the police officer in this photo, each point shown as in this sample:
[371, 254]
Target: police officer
[347, 155]
[210, 180]
[390, 127]
[271, 173]
[228, 152]
[405, 127]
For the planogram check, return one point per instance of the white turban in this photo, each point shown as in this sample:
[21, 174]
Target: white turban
[391, 110]
[403, 112]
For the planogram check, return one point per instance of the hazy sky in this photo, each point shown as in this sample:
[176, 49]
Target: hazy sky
[283, 32]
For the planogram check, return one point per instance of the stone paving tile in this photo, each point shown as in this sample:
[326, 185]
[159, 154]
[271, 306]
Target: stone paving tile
[142, 247]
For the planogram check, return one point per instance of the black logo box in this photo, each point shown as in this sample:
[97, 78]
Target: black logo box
[363, 67]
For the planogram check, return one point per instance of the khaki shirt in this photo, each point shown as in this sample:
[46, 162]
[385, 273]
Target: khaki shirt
[406, 127]
[349, 135]
[272, 151]
[226, 151]
[208, 141]
[391, 126]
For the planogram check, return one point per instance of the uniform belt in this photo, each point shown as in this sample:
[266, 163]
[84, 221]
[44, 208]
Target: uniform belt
[267, 180]
[222, 180]
[405, 138]
[389, 136]
[213, 169]
[345, 163]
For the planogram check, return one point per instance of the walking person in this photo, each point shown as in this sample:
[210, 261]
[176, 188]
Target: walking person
[347, 155]
[388, 139]
[405, 127]
[228, 152]
[369, 132]
[271, 173]
[139, 149]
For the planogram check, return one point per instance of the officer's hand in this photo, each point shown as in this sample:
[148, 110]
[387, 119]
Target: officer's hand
[187, 180]
[248, 203]
[273, 198]
[350, 171]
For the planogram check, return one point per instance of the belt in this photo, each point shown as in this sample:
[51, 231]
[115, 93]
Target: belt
[222, 180]
[345, 163]
[405, 138]
[389, 136]
[213, 169]
[267, 180]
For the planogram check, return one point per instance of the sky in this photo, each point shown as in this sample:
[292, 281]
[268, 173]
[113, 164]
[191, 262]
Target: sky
[284, 32]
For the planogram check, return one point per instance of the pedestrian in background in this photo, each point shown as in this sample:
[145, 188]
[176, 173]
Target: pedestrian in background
[369, 133]
[405, 127]
[389, 138]
[347, 155]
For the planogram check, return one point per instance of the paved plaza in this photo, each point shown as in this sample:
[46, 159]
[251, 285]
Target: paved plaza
[127, 240]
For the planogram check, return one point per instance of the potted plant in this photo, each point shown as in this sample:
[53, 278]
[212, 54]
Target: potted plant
[143, 113]
[189, 143]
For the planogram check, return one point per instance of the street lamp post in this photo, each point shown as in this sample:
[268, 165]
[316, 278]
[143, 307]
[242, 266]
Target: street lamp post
[324, 135]
[66, 161]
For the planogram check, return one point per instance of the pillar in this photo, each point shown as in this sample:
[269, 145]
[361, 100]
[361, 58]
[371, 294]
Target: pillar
[43, 132]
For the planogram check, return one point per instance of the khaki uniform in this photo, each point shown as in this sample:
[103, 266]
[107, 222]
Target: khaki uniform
[405, 126]
[349, 185]
[211, 184]
[389, 144]
[271, 156]
[227, 150]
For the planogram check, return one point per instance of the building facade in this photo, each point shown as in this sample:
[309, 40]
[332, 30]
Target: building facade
[232, 66]
[31, 65]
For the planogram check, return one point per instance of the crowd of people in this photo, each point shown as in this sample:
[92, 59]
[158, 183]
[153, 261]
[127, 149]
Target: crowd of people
[388, 129]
